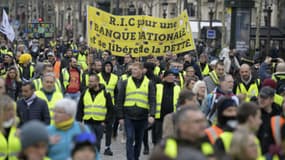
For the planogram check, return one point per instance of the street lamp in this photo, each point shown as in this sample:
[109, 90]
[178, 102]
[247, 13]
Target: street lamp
[211, 4]
[267, 18]
[164, 6]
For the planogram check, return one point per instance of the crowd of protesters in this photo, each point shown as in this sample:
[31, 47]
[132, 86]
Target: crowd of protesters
[58, 99]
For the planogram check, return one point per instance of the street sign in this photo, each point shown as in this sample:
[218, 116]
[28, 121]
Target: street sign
[211, 34]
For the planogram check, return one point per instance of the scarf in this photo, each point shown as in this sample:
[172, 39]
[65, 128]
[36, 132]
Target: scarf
[65, 125]
[30, 100]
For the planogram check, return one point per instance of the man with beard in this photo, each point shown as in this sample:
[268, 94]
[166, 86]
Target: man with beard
[67, 56]
[95, 107]
[247, 86]
[71, 79]
[136, 107]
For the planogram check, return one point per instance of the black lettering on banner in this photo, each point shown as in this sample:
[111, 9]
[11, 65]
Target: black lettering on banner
[168, 25]
[177, 46]
[112, 20]
[133, 50]
[131, 22]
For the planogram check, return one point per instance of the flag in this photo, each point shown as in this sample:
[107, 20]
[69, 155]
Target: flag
[6, 28]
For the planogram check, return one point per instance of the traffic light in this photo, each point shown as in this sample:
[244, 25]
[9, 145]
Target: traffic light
[40, 20]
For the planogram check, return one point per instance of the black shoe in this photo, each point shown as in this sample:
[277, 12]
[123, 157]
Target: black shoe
[108, 152]
[146, 151]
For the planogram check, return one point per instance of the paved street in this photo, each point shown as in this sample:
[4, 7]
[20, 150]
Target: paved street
[118, 148]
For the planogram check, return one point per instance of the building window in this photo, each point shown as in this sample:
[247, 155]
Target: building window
[191, 10]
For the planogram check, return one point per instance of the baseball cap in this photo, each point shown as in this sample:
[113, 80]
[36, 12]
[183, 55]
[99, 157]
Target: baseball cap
[267, 92]
[50, 54]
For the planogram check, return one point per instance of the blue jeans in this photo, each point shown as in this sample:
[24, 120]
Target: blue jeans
[134, 133]
[73, 96]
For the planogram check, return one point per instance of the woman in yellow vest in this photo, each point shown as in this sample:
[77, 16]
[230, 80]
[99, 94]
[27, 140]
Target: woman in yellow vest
[10, 144]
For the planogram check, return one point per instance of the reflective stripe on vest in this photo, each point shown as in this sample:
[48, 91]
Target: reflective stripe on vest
[251, 92]
[137, 96]
[55, 97]
[110, 87]
[10, 148]
[96, 109]
[159, 95]
[276, 124]
[213, 133]
[214, 77]
[171, 148]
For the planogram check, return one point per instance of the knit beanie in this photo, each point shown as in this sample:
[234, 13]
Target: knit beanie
[269, 82]
[223, 104]
[32, 133]
[24, 58]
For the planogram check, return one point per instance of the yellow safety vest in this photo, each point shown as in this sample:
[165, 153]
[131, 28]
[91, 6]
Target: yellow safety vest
[110, 87]
[65, 75]
[55, 97]
[251, 92]
[214, 77]
[10, 148]
[52, 44]
[32, 69]
[171, 148]
[206, 70]
[159, 95]
[82, 60]
[278, 99]
[137, 96]
[181, 79]
[96, 109]
[86, 79]
[156, 70]
[227, 137]
[3, 51]
[39, 84]
[124, 77]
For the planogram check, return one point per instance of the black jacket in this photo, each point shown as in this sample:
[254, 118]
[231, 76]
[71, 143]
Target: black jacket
[135, 112]
[265, 134]
[109, 105]
[37, 110]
